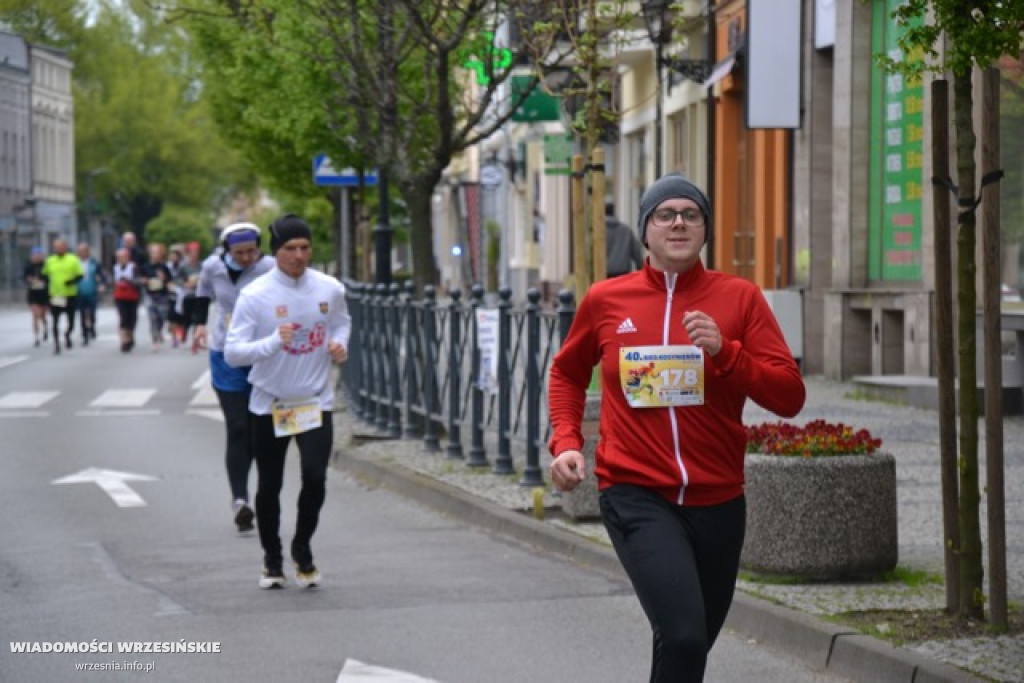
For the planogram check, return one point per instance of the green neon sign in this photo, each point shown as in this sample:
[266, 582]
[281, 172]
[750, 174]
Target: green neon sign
[501, 59]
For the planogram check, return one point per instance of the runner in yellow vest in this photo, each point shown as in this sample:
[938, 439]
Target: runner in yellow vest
[64, 270]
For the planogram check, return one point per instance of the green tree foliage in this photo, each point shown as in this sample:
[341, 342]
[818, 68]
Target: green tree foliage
[957, 36]
[138, 112]
[180, 225]
[383, 84]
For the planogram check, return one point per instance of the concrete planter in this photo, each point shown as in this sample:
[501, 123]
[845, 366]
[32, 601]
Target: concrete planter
[580, 504]
[821, 518]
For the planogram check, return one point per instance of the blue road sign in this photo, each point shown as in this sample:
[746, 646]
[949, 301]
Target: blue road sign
[324, 173]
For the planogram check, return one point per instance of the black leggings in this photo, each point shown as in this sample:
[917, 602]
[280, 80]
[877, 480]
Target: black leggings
[69, 310]
[682, 562]
[237, 453]
[315, 453]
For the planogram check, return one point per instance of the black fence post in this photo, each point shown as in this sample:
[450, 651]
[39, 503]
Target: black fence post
[382, 351]
[503, 463]
[454, 449]
[352, 373]
[370, 352]
[430, 436]
[477, 453]
[411, 331]
[566, 312]
[393, 334]
[531, 472]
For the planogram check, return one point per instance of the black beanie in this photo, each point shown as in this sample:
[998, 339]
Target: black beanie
[288, 227]
[672, 186]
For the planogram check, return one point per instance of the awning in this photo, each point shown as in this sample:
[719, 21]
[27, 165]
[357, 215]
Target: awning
[721, 70]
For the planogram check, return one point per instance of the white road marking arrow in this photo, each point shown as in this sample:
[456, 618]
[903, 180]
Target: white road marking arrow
[112, 482]
[355, 671]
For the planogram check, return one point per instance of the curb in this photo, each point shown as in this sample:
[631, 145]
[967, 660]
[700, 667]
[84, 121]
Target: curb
[819, 644]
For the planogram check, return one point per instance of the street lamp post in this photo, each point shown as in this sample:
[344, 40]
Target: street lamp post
[657, 30]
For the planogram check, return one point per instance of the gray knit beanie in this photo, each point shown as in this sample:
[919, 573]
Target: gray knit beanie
[672, 186]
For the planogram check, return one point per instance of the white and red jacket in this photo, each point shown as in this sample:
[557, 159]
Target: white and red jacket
[315, 304]
[691, 455]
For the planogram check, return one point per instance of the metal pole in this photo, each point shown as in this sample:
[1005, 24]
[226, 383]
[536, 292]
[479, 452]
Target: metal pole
[430, 436]
[454, 449]
[383, 231]
[657, 111]
[411, 330]
[503, 463]
[380, 332]
[394, 340]
[531, 473]
[477, 454]
[344, 229]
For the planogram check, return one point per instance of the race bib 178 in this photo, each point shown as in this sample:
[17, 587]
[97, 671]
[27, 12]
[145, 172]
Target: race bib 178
[662, 376]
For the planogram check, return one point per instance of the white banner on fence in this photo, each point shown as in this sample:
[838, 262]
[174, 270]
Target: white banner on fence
[487, 337]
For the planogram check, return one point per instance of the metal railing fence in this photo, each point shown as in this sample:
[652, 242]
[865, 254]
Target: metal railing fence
[414, 371]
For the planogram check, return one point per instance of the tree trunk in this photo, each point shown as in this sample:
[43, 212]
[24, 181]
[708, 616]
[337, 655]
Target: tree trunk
[971, 569]
[418, 200]
[945, 352]
[994, 467]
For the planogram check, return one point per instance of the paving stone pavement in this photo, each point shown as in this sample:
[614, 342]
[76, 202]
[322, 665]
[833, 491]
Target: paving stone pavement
[911, 434]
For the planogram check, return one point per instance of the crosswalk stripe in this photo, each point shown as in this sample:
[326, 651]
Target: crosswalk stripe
[123, 398]
[204, 397]
[26, 399]
[11, 360]
[116, 412]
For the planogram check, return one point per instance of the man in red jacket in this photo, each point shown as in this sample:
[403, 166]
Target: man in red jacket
[680, 350]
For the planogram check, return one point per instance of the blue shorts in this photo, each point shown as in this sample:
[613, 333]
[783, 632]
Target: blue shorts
[226, 377]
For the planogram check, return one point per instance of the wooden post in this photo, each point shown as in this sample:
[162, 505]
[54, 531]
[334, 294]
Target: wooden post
[990, 293]
[579, 235]
[599, 234]
[945, 356]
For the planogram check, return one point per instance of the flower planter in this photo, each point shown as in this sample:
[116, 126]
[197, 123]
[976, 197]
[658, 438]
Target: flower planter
[823, 518]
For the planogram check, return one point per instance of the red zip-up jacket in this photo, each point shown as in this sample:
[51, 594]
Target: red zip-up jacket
[691, 455]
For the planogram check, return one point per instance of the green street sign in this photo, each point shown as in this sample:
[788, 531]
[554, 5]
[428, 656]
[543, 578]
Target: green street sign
[558, 151]
[538, 105]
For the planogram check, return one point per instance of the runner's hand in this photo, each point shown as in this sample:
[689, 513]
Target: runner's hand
[703, 331]
[339, 354]
[567, 470]
[287, 332]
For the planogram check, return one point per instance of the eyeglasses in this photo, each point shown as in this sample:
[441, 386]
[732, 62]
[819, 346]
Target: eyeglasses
[666, 218]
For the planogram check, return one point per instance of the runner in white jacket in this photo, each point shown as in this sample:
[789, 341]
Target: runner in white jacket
[289, 324]
[224, 274]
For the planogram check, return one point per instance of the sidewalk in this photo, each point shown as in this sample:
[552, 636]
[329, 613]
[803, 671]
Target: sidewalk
[786, 617]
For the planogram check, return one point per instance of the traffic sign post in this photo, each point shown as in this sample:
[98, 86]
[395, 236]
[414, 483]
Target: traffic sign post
[325, 174]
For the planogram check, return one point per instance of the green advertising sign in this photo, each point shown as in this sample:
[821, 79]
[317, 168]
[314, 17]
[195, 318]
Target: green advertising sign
[896, 173]
[538, 105]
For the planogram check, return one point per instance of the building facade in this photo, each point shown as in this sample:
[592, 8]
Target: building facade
[37, 157]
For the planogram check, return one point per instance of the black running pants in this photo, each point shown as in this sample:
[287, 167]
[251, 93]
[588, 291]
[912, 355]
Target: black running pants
[238, 453]
[314, 453]
[682, 562]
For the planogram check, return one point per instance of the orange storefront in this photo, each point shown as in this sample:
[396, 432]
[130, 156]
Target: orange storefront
[751, 172]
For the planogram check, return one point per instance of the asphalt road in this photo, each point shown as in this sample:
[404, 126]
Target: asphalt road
[117, 532]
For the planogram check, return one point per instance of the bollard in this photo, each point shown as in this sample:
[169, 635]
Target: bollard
[477, 453]
[531, 472]
[430, 408]
[503, 463]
